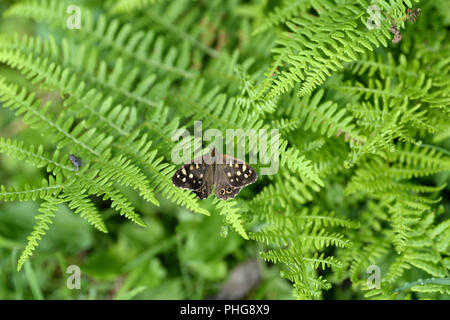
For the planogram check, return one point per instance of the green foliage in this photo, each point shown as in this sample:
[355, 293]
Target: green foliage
[47, 212]
[363, 155]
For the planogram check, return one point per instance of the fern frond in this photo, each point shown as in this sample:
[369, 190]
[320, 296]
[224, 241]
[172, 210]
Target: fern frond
[60, 128]
[300, 270]
[79, 62]
[361, 159]
[47, 213]
[278, 195]
[49, 188]
[109, 35]
[158, 172]
[122, 170]
[159, 128]
[87, 102]
[179, 32]
[364, 257]
[131, 5]
[423, 157]
[80, 203]
[292, 159]
[281, 14]
[215, 109]
[325, 118]
[36, 156]
[432, 287]
[327, 47]
[230, 211]
[94, 183]
[322, 239]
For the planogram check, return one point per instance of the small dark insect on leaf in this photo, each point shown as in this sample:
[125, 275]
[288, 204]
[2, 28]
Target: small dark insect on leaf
[76, 162]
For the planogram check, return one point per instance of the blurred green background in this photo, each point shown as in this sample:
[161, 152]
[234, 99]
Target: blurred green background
[180, 255]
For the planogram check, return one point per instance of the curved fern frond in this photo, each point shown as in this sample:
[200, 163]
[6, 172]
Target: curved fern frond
[47, 213]
[281, 14]
[88, 103]
[158, 172]
[131, 5]
[80, 203]
[47, 189]
[109, 35]
[36, 156]
[61, 129]
[230, 211]
[312, 50]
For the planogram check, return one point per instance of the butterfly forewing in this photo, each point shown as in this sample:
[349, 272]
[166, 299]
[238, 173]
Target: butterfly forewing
[195, 176]
[222, 187]
[205, 190]
[238, 172]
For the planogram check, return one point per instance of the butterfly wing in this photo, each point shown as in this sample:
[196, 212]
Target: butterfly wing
[222, 187]
[228, 175]
[231, 176]
[196, 176]
[238, 172]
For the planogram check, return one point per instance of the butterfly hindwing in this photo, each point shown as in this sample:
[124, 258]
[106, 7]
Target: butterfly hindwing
[205, 189]
[203, 192]
[222, 187]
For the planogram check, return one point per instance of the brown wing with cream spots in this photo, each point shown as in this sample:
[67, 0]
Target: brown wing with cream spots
[222, 187]
[196, 177]
[238, 173]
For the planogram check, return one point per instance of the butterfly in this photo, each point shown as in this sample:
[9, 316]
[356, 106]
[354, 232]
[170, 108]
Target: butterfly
[228, 175]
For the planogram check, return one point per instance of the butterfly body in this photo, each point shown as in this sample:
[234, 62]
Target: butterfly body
[226, 174]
